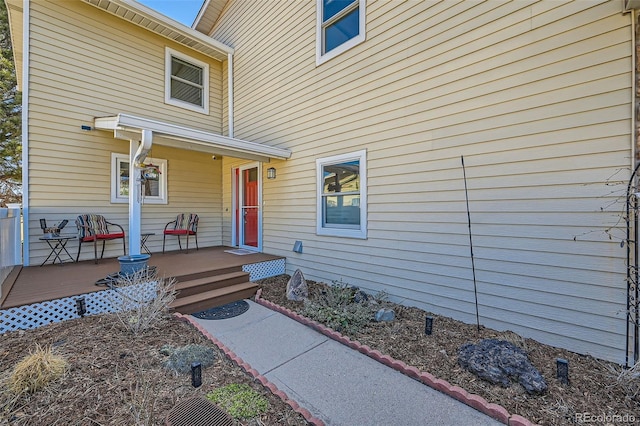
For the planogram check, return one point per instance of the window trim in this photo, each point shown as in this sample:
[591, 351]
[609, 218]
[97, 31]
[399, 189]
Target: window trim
[360, 233]
[169, 54]
[117, 159]
[324, 57]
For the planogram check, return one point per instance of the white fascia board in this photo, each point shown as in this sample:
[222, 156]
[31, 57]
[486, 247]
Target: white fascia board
[190, 137]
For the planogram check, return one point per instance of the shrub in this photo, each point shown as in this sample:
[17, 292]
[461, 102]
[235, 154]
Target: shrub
[141, 300]
[36, 370]
[336, 309]
[628, 379]
[239, 400]
[180, 359]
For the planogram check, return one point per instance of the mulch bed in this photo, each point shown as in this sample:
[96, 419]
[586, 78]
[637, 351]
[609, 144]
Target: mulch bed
[116, 378]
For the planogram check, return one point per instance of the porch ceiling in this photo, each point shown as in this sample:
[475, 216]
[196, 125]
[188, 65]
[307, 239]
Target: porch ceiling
[130, 127]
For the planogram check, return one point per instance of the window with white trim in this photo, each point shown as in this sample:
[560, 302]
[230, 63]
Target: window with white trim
[186, 82]
[342, 195]
[340, 26]
[153, 178]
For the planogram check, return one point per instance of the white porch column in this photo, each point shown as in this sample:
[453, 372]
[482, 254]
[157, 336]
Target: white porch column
[137, 154]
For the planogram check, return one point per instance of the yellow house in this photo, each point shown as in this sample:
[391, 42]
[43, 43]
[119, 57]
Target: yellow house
[364, 112]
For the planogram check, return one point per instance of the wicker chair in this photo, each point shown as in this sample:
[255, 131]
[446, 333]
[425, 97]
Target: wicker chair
[94, 227]
[185, 224]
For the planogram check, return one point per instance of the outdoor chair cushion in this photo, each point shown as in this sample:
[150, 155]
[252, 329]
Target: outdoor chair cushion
[184, 224]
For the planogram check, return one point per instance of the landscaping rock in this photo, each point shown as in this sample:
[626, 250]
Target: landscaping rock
[385, 315]
[360, 296]
[497, 361]
[297, 289]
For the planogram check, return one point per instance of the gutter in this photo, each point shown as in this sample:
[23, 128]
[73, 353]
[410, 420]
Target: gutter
[230, 93]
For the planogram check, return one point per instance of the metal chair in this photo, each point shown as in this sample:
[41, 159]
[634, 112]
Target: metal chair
[184, 224]
[94, 227]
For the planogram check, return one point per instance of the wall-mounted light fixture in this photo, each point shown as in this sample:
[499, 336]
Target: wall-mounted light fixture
[271, 173]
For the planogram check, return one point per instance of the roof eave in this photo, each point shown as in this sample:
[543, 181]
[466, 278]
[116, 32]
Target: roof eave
[189, 138]
[145, 17]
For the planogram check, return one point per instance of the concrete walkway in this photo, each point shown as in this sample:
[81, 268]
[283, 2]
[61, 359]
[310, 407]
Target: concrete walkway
[337, 384]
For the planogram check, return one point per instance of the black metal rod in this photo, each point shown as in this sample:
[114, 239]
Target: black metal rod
[473, 265]
[636, 339]
[632, 281]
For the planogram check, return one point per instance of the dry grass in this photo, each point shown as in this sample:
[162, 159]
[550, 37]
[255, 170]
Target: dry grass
[36, 370]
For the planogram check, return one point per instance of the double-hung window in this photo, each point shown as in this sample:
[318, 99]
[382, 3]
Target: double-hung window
[186, 82]
[342, 195]
[340, 26]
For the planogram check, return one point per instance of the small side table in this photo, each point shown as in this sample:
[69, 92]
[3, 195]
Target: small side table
[143, 241]
[57, 244]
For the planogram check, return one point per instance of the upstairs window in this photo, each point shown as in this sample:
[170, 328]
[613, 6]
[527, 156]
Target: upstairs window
[340, 26]
[187, 82]
[342, 195]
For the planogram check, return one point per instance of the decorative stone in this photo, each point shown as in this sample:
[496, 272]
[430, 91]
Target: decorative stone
[498, 361]
[297, 288]
[359, 296]
[385, 315]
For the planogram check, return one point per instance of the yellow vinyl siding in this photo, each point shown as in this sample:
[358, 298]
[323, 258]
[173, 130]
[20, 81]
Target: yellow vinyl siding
[86, 63]
[537, 97]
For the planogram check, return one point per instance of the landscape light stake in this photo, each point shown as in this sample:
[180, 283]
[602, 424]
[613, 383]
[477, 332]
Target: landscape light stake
[196, 374]
[473, 266]
[81, 306]
[562, 370]
[428, 326]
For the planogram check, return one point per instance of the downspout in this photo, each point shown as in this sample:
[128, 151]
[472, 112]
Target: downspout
[137, 154]
[26, 34]
[230, 92]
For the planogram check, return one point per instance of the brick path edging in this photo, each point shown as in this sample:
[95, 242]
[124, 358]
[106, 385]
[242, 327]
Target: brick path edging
[251, 371]
[495, 411]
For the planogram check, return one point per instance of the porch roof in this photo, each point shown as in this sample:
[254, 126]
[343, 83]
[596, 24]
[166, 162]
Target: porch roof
[130, 127]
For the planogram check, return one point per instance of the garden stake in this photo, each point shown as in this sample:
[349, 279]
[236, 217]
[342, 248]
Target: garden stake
[473, 266]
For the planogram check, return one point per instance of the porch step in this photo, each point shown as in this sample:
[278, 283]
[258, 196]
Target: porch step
[206, 272]
[212, 298]
[210, 282]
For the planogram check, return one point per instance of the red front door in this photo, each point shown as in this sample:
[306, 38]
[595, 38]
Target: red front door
[249, 207]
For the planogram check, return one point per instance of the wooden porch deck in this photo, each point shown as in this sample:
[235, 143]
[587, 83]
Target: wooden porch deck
[35, 284]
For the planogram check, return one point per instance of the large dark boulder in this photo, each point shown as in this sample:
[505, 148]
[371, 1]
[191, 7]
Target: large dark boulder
[498, 362]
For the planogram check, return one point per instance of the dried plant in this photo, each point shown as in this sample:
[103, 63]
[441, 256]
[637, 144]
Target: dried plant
[36, 370]
[628, 379]
[141, 300]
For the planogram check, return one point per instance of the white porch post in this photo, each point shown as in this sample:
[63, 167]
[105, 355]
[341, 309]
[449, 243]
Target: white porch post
[137, 154]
